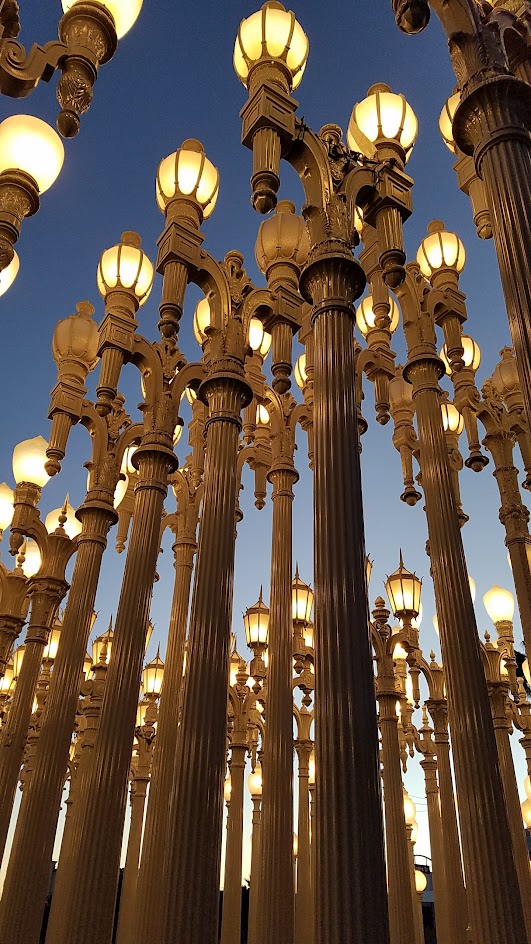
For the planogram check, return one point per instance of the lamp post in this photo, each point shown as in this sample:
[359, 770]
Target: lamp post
[88, 37]
[348, 870]
[255, 789]
[410, 812]
[13, 609]
[304, 910]
[145, 734]
[401, 917]
[490, 123]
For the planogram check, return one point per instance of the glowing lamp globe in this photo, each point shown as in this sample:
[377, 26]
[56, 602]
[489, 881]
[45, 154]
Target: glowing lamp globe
[446, 119]
[18, 658]
[471, 354]
[311, 769]
[453, 422]
[403, 590]
[301, 599]
[32, 558]
[254, 782]
[9, 274]
[256, 623]
[87, 666]
[187, 174]
[299, 371]
[120, 490]
[472, 585]
[259, 338]
[105, 640]
[227, 789]
[125, 267]
[152, 676]
[435, 621]
[50, 650]
[127, 467]
[527, 787]
[202, 317]
[272, 33]
[7, 678]
[439, 251]
[526, 813]
[124, 12]
[399, 653]
[29, 459]
[421, 882]
[382, 118]
[76, 338]
[410, 810]
[32, 146]
[527, 674]
[499, 604]
[366, 319]
[7, 509]
[262, 415]
[72, 525]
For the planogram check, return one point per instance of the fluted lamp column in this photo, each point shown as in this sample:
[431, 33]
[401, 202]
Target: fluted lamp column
[255, 789]
[232, 885]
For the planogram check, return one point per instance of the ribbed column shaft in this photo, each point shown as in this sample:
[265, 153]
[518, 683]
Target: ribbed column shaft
[418, 936]
[304, 912]
[253, 935]
[455, 889]
[231, 918]
[45, 599]
[442, 903]
[504, 164]
[197, 798]
[277, 798]
[514, 516]
[139, 786]
[401, 918]
[98, 816]
[495, 909]
[10, 627]
[514, 812]
[153, 875]
[28, 873]
[350, 872]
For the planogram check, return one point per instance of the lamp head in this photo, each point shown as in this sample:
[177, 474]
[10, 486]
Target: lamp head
[271, 35]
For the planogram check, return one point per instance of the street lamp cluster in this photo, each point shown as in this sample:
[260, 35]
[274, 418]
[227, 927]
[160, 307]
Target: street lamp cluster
[68, 717]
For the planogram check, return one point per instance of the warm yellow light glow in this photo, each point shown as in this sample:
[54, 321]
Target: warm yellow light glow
[227, 789]
[295, 845]
[9, 274]
[446, 120]
[256, 622]
[29, 458]
[382, 117]
[87, 666]
[105, 639]
[526, 813]
[527, 787]
[6, 506]
[421, 881]
[177, 433]
[202, 318]
[472, 585]
[403, 589]
[152, 676]
[18, 658]
[254, 782]
[299, 371]
[271, 33]
[188, 174]
[440, 250]
[366, 319]
[471, 354]
[301, 599]
[120, 490]
[124, 12]
[259, 339]
[191, 394]
[451, 417]
[417, 620]
[262, 415]
[127, 467]
[31, 145]
[526, 671]
[32, 558]
[399, 652]
[499, 604]
[50, 650]
[409, 690]
[126, 267]
[410, 810]
[435, 621]
[7, 678]
[72, 526]
[311, 769]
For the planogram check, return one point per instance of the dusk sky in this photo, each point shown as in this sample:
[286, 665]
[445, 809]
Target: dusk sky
[172, 78]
